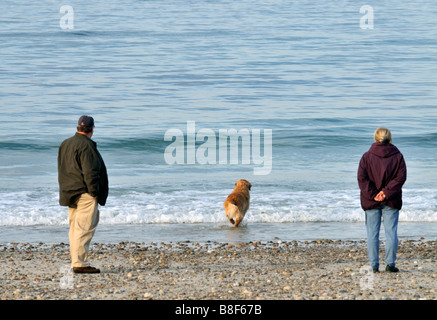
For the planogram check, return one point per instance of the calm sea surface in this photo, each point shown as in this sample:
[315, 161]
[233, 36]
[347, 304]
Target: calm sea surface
[308, 71]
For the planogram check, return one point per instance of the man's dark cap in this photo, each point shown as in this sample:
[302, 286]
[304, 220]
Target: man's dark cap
[86, 121]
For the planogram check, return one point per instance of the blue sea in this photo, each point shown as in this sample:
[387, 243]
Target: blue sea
[321, 76]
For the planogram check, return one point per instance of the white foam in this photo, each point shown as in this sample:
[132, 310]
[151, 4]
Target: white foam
[189, 207]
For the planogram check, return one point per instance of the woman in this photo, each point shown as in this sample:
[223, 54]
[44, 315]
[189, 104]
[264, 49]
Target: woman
[381, 175]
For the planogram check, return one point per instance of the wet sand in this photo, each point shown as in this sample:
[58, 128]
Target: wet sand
[303, 270]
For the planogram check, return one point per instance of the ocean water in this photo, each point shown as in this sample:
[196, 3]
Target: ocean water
[310, 73]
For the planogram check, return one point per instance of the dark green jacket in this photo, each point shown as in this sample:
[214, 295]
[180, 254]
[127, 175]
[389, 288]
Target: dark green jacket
[81, 170]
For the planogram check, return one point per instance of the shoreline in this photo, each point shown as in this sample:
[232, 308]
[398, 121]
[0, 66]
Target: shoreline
[220, 232]
[257, 270]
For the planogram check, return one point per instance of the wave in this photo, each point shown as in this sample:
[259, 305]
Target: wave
[281, 140]
[296, 133]
[191, 207]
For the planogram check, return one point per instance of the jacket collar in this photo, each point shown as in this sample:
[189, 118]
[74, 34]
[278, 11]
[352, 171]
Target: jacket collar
[82, 136]
[383, 150]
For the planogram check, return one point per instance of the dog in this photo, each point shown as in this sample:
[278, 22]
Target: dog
[237, 203]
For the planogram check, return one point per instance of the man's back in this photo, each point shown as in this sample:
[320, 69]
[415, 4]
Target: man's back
[81, 170]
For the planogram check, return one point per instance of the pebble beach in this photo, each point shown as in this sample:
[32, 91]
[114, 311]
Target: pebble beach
[273, 270]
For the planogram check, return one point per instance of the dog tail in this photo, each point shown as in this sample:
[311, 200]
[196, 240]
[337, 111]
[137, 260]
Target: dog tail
[233, 212]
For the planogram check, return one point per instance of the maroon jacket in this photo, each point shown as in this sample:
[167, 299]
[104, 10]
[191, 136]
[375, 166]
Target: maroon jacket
[382, 168]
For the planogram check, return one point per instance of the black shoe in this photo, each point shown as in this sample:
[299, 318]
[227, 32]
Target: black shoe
[85, 270]
[375, 270]
[391, 269]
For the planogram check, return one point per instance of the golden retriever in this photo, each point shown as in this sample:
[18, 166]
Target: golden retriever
[237, 203]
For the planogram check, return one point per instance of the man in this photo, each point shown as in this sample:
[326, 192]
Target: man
[381, 174]
[83, 185]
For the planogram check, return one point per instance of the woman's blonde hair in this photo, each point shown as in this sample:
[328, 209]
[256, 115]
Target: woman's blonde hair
[382, 135]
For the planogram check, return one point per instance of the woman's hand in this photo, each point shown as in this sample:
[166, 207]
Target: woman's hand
[380, 196]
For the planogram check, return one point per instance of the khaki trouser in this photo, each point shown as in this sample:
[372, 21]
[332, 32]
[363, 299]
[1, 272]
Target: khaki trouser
[83, 222]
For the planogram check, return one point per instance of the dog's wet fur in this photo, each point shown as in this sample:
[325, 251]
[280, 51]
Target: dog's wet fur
[237, 203]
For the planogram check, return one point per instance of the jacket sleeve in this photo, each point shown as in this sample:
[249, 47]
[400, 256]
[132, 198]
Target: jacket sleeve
[394, 187]
[367, 187]
[91, 170]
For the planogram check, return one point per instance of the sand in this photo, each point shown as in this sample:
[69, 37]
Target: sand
[281, 270]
